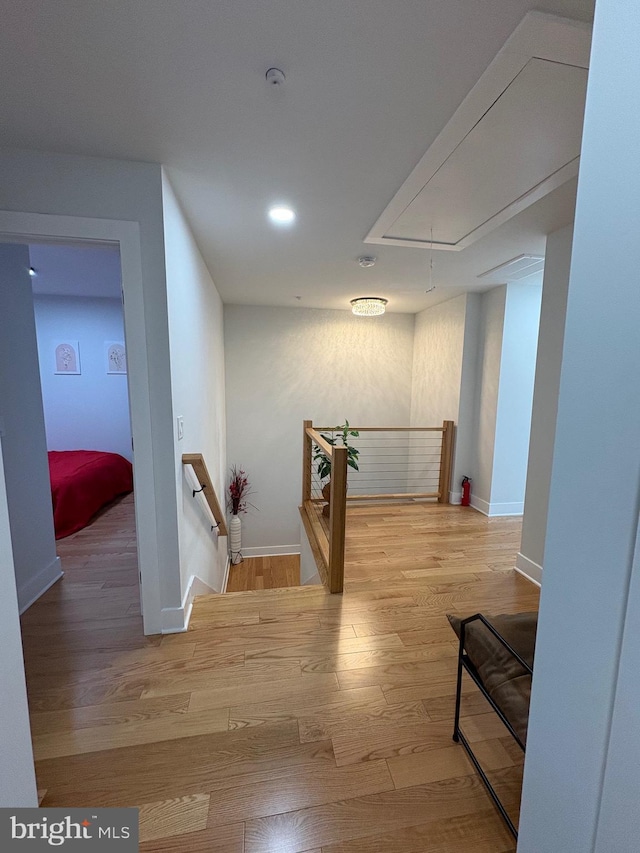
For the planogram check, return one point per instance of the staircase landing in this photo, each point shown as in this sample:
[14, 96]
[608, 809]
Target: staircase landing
[255, 573]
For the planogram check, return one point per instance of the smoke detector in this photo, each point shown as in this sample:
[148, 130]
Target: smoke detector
[275, 77]
[366, 261]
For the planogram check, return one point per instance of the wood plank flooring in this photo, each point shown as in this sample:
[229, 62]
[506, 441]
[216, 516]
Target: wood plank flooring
[264, 573]
[284, 719]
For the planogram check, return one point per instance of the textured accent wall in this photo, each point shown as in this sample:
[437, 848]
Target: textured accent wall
[437, 363]
[487, 385]
[284, 365]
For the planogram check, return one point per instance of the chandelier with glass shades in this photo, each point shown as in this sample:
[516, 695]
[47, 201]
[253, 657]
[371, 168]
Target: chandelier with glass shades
[368, 306]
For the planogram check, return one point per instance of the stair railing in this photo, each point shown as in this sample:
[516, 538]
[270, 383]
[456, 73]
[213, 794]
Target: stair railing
[196, 461]
[395, 463]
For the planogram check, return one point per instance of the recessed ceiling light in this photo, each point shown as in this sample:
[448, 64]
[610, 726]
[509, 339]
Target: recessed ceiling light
[282, 215]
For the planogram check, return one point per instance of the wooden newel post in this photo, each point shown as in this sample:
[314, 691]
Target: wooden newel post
[337, 519]
[306, 462]
[446, 458]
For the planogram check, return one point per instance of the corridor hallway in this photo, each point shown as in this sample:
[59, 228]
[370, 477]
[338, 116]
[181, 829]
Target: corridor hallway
[285, 719]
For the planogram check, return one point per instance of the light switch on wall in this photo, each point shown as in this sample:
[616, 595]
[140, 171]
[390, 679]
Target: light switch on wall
[180, 420]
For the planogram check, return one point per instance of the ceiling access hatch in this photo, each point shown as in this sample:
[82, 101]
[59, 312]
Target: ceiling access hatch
[514, 139]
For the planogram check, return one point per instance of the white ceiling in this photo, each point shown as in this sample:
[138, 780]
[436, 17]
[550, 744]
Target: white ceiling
[539, 115]
[76, 270]
[369, 86]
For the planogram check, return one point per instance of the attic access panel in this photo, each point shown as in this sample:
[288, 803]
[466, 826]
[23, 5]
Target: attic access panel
[515, 138]
[530, 134]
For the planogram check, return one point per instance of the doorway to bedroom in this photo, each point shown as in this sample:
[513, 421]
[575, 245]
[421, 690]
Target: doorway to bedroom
[22, 430]
[79, 322]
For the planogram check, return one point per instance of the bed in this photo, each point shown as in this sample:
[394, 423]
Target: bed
[82, 482]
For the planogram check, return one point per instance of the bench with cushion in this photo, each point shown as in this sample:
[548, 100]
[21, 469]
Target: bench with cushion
[497, 652]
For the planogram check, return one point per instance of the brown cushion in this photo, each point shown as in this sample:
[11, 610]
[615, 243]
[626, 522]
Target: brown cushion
[505, 679]
[513, 698]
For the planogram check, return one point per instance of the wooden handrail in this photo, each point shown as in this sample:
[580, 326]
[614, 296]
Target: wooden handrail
[433, 456]
[382, 429]
[315, 436]
[196, 460]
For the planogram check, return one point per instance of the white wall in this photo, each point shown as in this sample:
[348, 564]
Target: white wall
[616, 832]
[285, 365]
[545, 401]
[197, 380]
[89, 411]
[444, 375]
[126, 192]
[508, 335]
[24, 446]
[17, 780]
[515, 397]
[581, 771]
[487, 381]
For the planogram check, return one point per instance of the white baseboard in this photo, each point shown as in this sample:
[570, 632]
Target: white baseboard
[314, 580]
[175, 620]
[455, 497]
[497, 509]
[271, 550]
[39, 584]
[512, 508]
[225, 579]
[479, 504]
[528, 569]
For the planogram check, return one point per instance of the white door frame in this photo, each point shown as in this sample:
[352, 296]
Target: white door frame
[31, 227]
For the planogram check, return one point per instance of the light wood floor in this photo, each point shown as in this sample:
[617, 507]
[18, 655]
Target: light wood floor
[264, 573]
[283, 720]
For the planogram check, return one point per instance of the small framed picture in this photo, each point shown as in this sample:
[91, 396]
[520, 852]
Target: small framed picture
[115, 356]
[67, 357]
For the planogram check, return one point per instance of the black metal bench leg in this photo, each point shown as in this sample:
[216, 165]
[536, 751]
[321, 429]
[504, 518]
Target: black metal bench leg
[456, 723]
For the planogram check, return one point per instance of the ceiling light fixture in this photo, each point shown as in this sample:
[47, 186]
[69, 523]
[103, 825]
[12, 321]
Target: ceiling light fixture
[32, 272]
[282, 215]
[367, 261]
[368, 306]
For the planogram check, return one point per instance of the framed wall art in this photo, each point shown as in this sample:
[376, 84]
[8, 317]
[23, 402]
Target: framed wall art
[67, 357]
[116, 356]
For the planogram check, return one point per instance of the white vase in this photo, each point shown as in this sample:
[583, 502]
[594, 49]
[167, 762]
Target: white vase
[235, 539]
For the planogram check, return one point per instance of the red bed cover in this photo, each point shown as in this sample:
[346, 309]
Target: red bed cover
[83, 481]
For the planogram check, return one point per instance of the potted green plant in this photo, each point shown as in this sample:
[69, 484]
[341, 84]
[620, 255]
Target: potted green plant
[339, 436]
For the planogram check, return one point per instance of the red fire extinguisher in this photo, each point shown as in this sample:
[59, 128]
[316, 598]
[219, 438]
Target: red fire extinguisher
[466, 491]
